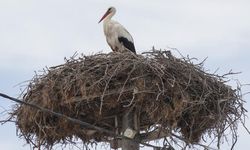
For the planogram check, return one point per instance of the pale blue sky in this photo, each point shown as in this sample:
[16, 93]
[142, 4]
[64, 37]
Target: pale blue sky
[35, 34]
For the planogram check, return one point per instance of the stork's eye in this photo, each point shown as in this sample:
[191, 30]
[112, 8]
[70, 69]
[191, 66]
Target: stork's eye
[109, 9]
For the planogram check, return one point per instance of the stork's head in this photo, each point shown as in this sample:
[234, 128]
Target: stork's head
[109, 13]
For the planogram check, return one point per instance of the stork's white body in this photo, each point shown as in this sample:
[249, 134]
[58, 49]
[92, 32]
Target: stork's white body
[117, 36]
[113, 30]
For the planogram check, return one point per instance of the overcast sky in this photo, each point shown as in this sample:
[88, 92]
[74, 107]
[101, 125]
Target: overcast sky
[35, 34]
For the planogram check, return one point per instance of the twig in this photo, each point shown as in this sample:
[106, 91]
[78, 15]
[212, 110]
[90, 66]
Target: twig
[129, 74]
[106, 86]
[207, 147]
[245, 126]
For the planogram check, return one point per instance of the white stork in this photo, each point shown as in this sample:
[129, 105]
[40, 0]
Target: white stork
[117, 36]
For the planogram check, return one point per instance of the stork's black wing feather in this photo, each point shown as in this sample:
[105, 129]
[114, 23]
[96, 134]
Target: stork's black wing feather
[128, 44]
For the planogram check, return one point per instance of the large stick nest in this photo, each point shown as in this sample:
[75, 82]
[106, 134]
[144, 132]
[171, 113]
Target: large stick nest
[169, 92]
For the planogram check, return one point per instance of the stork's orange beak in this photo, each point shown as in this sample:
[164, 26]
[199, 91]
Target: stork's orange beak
[104, 16]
